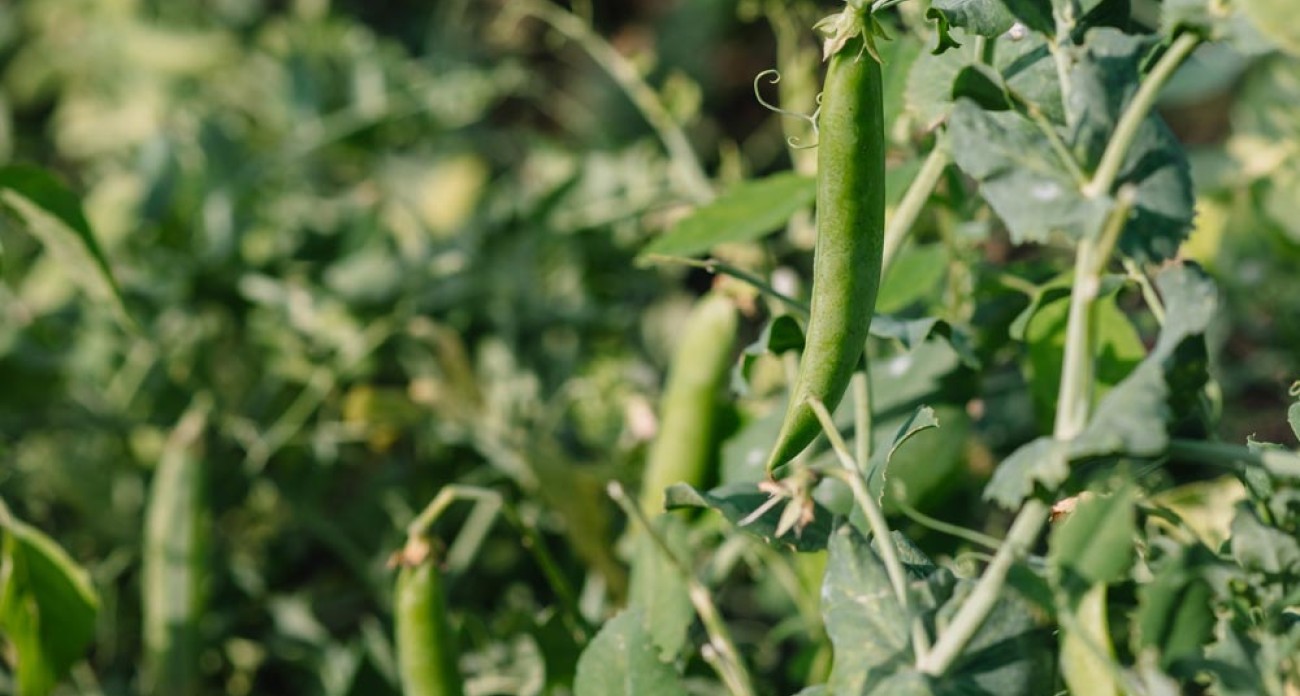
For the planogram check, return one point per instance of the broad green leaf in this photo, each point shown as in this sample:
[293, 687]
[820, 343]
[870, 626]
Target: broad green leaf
[1275, 19]
[738, 501]
[1043, 461]
[779, 335]
[54, 215]
[980, 84]
[1249, 661]
[1035, 14]
[1174, 613]
[47, 605]
[989, 18]
[658, 588]
[929, 82]
[929, 465]
[622, 661]
[1119, 349]
[1095, 542]
[1020, 176]
[746, 212]
[866, 625]
[878, 468]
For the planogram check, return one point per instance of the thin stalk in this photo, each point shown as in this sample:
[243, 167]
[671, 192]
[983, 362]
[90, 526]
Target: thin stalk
[1136, 112]
[715, 266]
[725, 658]
[1149, 294]
[851, 475]
[1048, 129]
[900, 223]
[686, 165]
[938, 525]
[861, 387]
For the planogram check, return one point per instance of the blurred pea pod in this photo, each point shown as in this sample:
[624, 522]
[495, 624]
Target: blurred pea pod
[426, 645]
[682, 450]
[175, 559]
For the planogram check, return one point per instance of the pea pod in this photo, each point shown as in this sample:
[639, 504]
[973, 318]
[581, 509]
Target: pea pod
[426, 649]
[850, 229]
[681, 451]
[173, 572]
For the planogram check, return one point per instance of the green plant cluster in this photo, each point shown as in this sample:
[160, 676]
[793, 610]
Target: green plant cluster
[370, 348]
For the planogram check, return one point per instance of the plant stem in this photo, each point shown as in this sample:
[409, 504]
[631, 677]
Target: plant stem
[1073, 403]
[686, 165]
[900, 223]
[851, 475]
[725, 658]
[1136, 112]
[861, 386]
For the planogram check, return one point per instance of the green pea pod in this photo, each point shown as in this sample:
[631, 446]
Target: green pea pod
[850, 231]
[681, 451]
[426, 645]
[173, 569]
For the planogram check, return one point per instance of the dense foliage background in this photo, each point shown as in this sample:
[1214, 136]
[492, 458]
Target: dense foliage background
[385, 247]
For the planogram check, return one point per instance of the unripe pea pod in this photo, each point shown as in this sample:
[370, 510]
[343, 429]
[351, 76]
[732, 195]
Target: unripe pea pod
[850, 235]
[426, 644]
[682, 449]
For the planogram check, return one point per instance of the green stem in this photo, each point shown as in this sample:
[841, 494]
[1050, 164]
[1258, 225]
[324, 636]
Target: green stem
[686, 165]
[861, 386]
[900, 223]
[1136, 112]
[851, 475]
[721, 651]
[1073, 402]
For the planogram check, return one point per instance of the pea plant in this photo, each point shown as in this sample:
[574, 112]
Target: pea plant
[969, 369]
[1112, 575]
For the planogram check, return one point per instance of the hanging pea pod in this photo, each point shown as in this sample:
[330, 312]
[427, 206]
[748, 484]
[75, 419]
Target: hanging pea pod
[174, 571]
[426, 644]
[850, 226]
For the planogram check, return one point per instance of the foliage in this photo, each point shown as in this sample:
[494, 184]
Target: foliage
[282, 285]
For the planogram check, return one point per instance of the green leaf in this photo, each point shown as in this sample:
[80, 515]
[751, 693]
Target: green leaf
[912, 276]
[1174, 614]
[33, 193]
[1119, 348]
[1020, 176]
[748, 211]
[738, 501]
[878, 468]
[1011, 653]
[862, 614]
[989, 18]
[658, 588]
[1035, 14]
[1095, 543]
[982, 85]
[621, 660]
[47, 606]
[1042, 461]
[911, 333]
[943, 32]
[779, 335]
